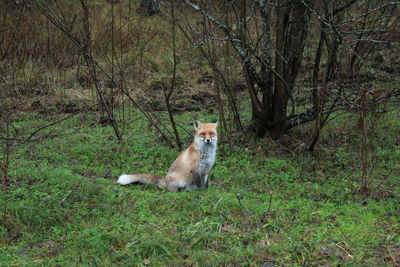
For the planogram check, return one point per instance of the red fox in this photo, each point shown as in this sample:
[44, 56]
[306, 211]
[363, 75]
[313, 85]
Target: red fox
[190, 170]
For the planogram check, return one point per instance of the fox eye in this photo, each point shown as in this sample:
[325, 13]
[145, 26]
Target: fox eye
[202, 134]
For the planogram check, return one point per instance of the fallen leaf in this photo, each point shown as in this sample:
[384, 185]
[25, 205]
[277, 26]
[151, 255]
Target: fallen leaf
[227, 227]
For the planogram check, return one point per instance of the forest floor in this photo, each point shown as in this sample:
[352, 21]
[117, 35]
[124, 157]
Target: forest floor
[266, 206]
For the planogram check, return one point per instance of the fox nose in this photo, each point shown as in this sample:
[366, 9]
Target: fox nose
[207, 140]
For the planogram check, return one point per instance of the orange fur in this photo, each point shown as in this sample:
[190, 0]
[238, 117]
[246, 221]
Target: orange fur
[191, 167]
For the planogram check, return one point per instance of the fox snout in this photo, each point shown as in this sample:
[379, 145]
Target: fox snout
[206, 141]
[209, 140]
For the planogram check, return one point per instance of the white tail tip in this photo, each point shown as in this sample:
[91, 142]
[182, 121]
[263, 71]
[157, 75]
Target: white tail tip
[124, 179]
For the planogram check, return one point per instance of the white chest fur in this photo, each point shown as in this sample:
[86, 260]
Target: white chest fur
[207, 153]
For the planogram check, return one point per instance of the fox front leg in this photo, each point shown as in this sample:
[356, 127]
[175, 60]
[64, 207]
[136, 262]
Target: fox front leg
[201, 181]
[204, 181]
[197, 180]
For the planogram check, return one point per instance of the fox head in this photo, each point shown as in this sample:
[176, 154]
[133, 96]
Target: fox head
[206, 133]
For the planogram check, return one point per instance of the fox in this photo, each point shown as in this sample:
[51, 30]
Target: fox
[190, 169]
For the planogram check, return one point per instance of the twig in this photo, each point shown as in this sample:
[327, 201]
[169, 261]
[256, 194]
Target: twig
[168, 93]
[73, 189]
[270, 201]
[239, 196]
[345, 251]
[386, 177]
[56, 122]
[5, 163]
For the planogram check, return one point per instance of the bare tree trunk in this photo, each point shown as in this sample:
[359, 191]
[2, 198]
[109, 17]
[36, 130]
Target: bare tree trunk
[290, 36]
[318, 56]
[331, 64]
[364, 187]
[167, 95]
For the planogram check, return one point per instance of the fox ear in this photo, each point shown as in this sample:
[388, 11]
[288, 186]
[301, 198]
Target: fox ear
[197, 125]
[215, 121]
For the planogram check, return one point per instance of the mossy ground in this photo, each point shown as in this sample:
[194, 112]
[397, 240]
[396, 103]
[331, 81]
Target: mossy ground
[63, 206]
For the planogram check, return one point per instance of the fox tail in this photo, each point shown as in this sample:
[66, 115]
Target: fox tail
[125, 179]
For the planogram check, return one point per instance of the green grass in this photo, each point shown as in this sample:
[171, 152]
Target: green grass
[258, 209]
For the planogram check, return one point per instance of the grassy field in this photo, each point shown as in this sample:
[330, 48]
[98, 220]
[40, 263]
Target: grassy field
[263, 206]
[268, 204]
